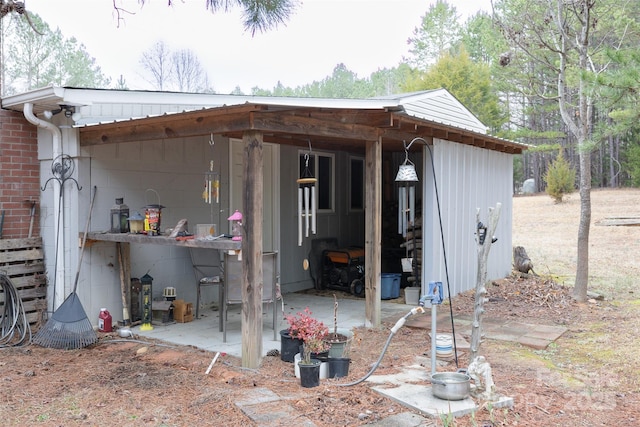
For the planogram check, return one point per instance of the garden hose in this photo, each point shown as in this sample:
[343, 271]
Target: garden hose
[399, 324]
[14, 326]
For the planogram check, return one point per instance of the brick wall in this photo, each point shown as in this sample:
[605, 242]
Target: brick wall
[19, 175]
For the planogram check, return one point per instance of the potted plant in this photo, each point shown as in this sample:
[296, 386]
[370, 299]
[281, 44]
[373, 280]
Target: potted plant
[339, 359]
[312, 332]
[339, 339]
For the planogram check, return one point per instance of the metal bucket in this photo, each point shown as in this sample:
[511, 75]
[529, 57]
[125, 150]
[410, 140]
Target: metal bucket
[451, 385]
[152, 216]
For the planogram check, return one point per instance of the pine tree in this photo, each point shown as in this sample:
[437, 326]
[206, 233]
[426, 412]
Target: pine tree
[560, 178]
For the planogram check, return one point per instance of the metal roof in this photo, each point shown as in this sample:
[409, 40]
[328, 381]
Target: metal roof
[335, 123]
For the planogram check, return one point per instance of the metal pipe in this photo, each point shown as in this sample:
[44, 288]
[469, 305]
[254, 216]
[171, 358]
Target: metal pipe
[58, 213]
[433, 337]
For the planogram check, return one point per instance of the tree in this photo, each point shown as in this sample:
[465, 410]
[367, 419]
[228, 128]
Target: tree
[258, 15]
[157, 62]
[167, 69]
[469, 82]
[437, 34]
[633, 164]
[187, 71]
[343, 83]
[15, 7]
[482, 40]
[389, 81]
[121, 83]
[560, 178]
[564, 37]
[36, 59]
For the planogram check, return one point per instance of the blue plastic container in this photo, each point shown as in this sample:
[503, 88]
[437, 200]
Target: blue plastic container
[390, 285]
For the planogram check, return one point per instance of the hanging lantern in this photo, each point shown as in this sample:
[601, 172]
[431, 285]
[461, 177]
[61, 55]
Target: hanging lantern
[306, 201]
[406, 177]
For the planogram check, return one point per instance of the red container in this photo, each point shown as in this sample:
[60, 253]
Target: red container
[104, 321]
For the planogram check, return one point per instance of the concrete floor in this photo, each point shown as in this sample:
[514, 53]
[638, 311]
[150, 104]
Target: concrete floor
[204, 332]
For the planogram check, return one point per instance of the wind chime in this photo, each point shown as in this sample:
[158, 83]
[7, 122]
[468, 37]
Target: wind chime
[211, 192]
[306, 200]
[406, 178]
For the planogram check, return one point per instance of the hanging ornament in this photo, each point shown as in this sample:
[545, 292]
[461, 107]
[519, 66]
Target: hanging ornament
[406, 177]
[211, 192]
[306, 200]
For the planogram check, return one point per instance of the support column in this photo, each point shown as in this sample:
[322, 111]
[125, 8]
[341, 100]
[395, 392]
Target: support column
[373, 232]
[252, 279]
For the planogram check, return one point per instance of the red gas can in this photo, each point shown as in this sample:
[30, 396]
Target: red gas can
[104, 321]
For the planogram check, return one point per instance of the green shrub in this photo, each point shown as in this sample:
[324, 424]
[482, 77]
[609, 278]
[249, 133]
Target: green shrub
[632, 164]
[560, 178]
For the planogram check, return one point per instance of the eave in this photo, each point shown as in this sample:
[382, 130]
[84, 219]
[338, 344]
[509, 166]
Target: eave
[326, 128]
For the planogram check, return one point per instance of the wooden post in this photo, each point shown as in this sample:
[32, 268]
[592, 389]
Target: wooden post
[124, 260]
[481, 290]
[252, 280]
[373, 232]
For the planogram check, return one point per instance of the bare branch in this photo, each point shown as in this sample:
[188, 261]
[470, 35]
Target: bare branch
[9, 6]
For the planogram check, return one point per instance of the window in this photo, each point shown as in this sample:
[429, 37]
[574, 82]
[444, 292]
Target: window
[356, 184]
[321, 167]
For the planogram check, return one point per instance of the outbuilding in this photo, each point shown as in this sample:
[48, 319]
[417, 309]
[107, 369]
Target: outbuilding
[204, 156]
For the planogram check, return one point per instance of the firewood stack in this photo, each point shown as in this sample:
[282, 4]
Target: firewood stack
[413, 247]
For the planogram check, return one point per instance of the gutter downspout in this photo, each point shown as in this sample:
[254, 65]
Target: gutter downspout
[58, 211]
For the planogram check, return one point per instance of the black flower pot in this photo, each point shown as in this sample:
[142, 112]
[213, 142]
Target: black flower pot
[310, 374]
[289, 347]
[338, 367]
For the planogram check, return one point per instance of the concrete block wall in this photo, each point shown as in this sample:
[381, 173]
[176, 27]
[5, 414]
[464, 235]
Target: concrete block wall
[19, 175]
[174, 170]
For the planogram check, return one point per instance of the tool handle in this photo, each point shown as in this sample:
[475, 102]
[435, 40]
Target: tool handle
[84, 238]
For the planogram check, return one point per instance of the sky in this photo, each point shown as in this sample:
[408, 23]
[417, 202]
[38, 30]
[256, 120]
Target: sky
[365, 35]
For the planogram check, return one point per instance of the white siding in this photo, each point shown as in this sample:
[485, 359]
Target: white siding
[441, 107]
[468, 179]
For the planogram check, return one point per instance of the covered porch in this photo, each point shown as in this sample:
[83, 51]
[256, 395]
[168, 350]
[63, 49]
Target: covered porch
[124, 140]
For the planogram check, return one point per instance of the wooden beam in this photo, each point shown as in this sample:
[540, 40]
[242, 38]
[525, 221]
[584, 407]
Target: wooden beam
[252, 279]
[373, 232]
[123, 251]
[375, 118]
[287, 123]
[340, 128]
[173, 126]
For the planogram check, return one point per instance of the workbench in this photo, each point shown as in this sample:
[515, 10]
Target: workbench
[124, 240]
[221, 243]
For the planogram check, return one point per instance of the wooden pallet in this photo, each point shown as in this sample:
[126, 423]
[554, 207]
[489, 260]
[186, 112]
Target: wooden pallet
[22, 260]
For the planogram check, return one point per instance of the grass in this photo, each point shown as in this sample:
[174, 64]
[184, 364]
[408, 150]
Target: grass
[549, 233]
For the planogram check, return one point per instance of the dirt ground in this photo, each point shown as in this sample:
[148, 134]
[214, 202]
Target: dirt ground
[588, 377]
